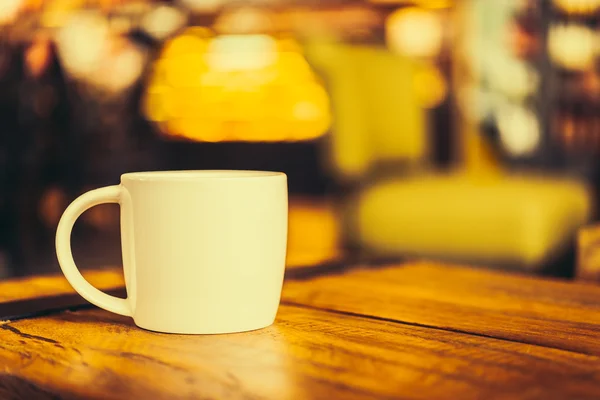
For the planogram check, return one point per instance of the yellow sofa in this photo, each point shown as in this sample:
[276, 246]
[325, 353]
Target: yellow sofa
[518, 220]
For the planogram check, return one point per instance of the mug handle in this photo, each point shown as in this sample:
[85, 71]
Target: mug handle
[109, 194]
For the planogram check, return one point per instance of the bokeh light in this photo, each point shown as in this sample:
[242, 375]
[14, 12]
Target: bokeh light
[207, 87]
[163, 21]
[431, 4]
[430, 86]
[519, 130]
[572, 46]
[202, 5]
[578, 6]
[9, 10]
[414, 32]
[91, 53]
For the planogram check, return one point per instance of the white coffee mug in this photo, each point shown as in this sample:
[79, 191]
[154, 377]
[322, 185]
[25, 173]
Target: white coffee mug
[203, 251]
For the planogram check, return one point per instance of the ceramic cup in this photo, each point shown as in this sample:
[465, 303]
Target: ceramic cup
[203, 251]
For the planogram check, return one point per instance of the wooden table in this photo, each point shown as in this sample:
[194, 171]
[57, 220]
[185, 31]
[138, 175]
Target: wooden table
[418, 330]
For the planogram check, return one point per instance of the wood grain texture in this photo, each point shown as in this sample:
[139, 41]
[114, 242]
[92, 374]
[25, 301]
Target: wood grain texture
[307, 354]
[550, 313]
[415, 331]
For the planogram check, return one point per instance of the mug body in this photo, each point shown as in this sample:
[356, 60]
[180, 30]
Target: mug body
[204, 251]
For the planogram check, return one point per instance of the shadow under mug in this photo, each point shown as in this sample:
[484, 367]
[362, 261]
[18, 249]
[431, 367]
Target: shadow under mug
[203, 251]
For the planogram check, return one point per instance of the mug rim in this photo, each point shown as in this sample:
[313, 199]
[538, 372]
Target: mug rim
[176, 175]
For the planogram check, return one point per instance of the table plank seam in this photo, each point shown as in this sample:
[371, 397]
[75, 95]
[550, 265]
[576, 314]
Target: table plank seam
[338, 267]
[48, 305]
[426, 326]
[8, 327]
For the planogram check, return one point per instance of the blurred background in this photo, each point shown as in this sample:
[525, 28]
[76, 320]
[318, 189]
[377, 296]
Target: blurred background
[463, 131]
